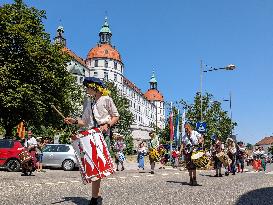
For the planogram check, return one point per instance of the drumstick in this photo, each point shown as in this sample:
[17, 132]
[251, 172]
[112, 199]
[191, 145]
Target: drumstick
[57, 111]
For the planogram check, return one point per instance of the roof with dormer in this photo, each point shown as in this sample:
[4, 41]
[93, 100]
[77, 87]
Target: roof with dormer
[74, 56]
[154, 95]
[104, 51]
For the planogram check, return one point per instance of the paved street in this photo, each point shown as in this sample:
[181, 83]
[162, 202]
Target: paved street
[169, 186]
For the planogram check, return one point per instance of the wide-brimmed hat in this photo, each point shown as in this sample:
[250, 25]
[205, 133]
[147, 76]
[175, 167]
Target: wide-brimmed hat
[89, 80]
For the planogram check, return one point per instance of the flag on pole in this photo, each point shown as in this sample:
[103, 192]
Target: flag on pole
[21, 130]
[176, 131]
[171, 124]
[183, 122]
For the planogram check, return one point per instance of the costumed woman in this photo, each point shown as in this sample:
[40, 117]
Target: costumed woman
[141, 152]
[231, 152]
[119, 147]
[190, 141]
[92, 152]
[153, 153]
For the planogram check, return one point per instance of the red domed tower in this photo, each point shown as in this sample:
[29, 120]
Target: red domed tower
[154, 96]
[104, 60]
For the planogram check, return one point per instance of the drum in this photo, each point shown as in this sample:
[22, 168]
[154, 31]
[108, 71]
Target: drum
[93, 156]
[224, 158]
[199, 159]
[24, 156]
[154, 155]
[121, 156]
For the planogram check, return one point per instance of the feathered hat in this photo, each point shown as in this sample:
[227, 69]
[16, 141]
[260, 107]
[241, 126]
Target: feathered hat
[96, 84]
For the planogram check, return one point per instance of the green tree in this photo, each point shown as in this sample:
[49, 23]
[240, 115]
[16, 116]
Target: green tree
[270, 150]
[126, 117]
[218, 121]
[249, 146]
[33, 71]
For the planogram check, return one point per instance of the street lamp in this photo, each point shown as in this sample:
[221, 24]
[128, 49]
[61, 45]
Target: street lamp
[229, 67]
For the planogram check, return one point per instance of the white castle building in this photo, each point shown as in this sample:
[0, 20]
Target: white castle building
[104, 61]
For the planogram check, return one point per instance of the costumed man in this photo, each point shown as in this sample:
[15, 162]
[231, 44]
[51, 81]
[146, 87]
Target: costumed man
[90, 145]
[216, 149]
[231, 152]
[30, 142]
[190, 142]
[119, 147]
[153, 153]
[241, 151]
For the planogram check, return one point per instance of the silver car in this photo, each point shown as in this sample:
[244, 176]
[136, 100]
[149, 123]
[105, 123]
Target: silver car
[59, 155]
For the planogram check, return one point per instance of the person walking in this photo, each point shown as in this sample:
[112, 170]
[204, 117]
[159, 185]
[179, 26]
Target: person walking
[189, 143]
[241, 151]
[216, 149]
[39, 154]
[98, 117]
[153, 153]
[141, 152]
[119, 156]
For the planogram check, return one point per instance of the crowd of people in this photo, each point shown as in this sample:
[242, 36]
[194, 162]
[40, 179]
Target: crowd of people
[227, 157]
[92, 145]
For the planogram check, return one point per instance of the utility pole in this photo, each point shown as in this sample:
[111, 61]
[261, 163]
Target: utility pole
[201, 81]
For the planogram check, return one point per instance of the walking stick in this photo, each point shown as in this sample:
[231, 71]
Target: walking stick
[54, 108]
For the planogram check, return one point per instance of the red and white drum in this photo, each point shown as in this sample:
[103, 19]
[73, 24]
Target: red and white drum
[93, 156]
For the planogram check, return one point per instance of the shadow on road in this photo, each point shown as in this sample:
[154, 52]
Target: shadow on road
[75, 200]
[262, 196]
[182, 183]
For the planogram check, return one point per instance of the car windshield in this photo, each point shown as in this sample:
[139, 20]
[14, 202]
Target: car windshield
[6, 143]
[50, 148]
[56, 148]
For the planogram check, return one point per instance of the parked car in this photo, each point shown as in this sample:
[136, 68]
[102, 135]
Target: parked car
[59, 156]
[9, 151]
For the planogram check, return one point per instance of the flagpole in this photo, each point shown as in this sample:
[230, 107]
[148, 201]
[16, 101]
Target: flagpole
[171, 140]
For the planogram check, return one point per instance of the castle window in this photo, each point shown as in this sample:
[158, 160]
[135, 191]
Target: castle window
[115, 77]
[106, 51]
[121, 69]
[115, 65]
[96, 63]
[105, 76]
[106, 64]
[95, 74]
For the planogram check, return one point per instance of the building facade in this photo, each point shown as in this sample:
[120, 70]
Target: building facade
[104, 62]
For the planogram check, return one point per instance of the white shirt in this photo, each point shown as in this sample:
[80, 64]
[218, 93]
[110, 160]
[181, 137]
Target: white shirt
[194, 138]
[31, 141]
[103, 110]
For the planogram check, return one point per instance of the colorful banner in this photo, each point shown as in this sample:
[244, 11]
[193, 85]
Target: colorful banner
[21, 130]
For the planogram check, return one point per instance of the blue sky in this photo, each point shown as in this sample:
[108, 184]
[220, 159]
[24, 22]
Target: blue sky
[172, 37]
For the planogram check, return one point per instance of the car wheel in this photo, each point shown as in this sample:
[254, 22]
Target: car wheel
[68, 165]
[13, 165]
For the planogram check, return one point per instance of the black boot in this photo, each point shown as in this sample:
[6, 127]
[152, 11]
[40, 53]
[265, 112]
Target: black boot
[96, 201]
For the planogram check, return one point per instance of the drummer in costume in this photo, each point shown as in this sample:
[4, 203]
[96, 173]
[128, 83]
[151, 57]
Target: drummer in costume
[216, 149]
[90, 146]
[119, 147]
[153, 153]
[190, 142]
[241, 152]
[231, 152]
